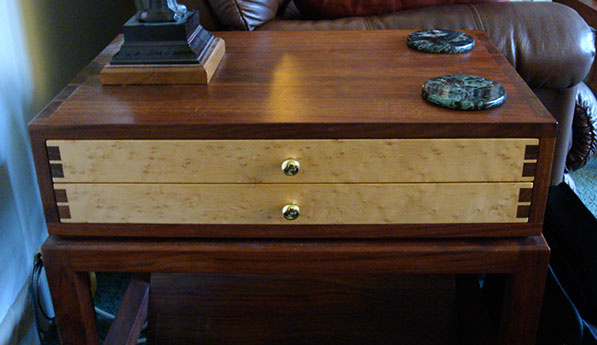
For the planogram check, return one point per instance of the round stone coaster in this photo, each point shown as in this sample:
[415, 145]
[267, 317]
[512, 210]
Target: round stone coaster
[440, 41]
[464, 92]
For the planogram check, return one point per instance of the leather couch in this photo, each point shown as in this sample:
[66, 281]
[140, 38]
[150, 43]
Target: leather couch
[549, 44]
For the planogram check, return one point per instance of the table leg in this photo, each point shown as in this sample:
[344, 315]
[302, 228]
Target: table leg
[71, 297]
[524, 261]
[523, 297]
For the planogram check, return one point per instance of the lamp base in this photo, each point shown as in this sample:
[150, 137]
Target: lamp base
[183, 41]
[193, 73]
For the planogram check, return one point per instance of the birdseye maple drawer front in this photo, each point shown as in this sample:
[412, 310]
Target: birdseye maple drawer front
[401, 181]
[318, 203]
[321, 161]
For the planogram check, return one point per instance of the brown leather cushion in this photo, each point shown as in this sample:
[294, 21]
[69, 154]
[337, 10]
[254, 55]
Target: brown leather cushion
[245, 14]
[329, 9]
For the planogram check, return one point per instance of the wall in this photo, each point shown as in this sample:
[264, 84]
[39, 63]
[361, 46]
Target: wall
[44, 45]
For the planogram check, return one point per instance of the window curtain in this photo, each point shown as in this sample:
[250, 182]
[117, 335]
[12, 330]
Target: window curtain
[22, 227]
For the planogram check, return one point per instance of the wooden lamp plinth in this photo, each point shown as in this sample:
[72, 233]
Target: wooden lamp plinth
[199, 73]
[175, 50]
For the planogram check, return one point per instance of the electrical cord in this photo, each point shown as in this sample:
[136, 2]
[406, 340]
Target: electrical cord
[39, 312]
[105, 314]
[49, 335]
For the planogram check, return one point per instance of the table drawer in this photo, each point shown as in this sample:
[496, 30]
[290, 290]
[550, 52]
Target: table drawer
[428, 203]
[259, 161]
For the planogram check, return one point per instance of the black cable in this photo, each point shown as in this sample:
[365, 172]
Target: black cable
[39, 311]
[38, 267]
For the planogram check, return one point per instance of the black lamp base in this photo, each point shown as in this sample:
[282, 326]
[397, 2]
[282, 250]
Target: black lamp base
[183, 41]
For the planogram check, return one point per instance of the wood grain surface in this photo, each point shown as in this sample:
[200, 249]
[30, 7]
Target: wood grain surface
[293, 85]
[524, 260]
[259, 161]
[282, 309]
[319, 203]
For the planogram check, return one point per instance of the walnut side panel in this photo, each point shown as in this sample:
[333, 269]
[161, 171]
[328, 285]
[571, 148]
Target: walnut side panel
[319, 203]
[330, 161]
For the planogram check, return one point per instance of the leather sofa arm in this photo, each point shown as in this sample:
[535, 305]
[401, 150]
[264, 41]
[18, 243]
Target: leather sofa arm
[584, 129]
[549, 44]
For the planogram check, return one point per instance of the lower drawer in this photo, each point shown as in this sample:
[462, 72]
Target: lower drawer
[319, 203]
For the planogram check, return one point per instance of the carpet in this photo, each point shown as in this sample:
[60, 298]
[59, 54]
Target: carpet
[585, 184]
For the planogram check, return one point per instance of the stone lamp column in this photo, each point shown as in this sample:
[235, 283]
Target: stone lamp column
[164, 33]
[162, 11]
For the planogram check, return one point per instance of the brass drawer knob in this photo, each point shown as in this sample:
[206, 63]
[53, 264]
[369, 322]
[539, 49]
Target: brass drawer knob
[291, 211]
[291, 167]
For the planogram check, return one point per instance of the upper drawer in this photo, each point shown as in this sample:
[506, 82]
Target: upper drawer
[328, 161]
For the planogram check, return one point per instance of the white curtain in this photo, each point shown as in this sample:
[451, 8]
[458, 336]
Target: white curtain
[22, 227]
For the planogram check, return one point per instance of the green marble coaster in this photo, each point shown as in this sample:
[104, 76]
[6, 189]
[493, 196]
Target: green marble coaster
[440, 41]
[464, 92]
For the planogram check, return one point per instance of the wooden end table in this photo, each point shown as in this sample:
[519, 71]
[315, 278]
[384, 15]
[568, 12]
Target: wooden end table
[308, 153]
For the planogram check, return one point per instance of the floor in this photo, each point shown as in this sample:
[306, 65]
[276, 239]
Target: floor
[585, 181]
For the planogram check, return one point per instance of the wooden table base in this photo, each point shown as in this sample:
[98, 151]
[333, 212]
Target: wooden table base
[67, 262]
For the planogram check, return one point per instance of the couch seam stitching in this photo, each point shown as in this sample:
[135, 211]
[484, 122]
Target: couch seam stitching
[241, 15]
[368, 24]
[477, 16]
